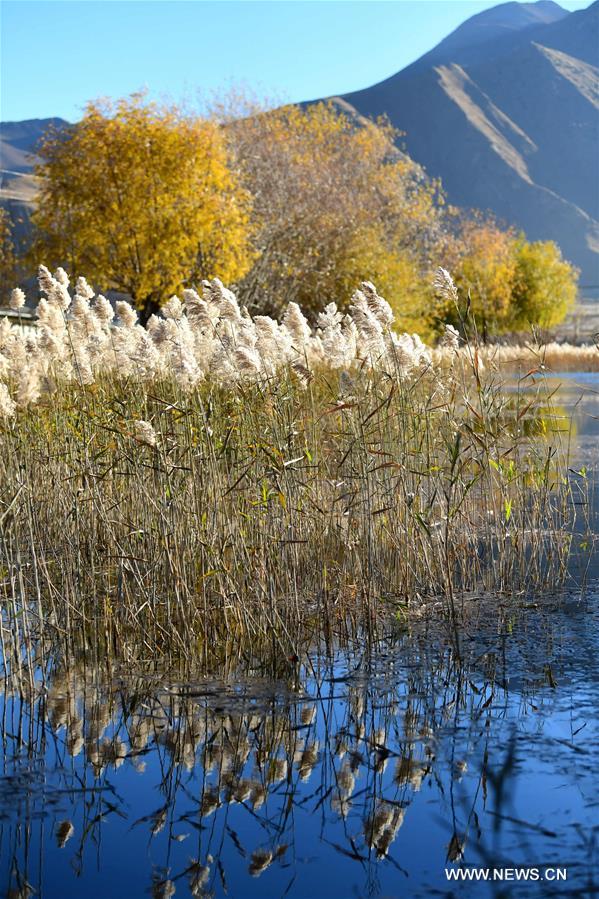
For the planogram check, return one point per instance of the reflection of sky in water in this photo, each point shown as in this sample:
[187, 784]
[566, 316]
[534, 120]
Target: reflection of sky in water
[578, 394]
[350, 777]
[352, 780]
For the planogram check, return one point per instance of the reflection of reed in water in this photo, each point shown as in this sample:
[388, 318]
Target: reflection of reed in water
[247, 754]
[250, 750]
[381, 828]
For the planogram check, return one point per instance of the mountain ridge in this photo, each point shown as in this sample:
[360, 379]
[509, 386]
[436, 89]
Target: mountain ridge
[510, 126]
[504, 110]
[491, 30]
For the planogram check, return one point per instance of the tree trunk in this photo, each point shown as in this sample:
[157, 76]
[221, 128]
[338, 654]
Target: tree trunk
[147, 307]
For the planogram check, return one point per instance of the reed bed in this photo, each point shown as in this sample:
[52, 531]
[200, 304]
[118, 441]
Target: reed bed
[542, 358]
[213, 478]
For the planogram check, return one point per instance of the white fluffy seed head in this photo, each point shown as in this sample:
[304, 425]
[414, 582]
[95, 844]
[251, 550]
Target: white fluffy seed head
[379, 307]
[450, 339]
[143, 432]
[225, 299]
[79, 306]
[203, 337]
[6, 332]
[173, 309]
[126, 313]
[103, 310]
[7, 405]
[50, 316]
[61, 276]
[29, 389]
[444, 286]
[45, 280]
[17, 299]
[59, 296]
[83, 288]
[297, 325]
[330, 317]
[248, 361]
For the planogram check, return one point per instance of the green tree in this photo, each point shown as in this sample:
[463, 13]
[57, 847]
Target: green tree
[483, 265]
[545, 286]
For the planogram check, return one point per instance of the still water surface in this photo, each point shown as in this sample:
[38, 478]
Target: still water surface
[361, 773]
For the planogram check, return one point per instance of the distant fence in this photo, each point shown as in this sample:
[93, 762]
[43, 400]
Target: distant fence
[580, 326]
[582, 323]
[23, 316]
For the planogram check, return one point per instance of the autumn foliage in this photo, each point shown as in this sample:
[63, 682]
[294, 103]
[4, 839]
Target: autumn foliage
[7, 254]
[290, 205]
[507, 283]
[142, 198]
[334, 202]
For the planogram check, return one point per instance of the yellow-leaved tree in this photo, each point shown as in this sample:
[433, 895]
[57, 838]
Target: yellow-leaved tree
[485, 272]
[545, 285]
[7, 256]
[335, 203]
[141, 198]
[506, 283]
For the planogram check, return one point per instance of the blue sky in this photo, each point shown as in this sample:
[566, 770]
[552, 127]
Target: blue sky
[57, 54]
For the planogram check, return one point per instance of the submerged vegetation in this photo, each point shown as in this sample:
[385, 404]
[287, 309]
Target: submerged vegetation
[214, 475]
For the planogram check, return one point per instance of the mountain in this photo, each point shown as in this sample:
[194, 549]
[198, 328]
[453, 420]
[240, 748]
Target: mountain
[18, 143]
[495, 27]
[19, 140]
[505, 111]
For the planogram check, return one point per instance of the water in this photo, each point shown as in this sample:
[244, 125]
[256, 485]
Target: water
[366, 773]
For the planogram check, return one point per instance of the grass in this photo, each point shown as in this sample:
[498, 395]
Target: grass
[548, 357]
[273, 511]
[214, 480]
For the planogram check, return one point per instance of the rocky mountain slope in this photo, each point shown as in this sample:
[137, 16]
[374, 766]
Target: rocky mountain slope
[506, 111]
[18, 142]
